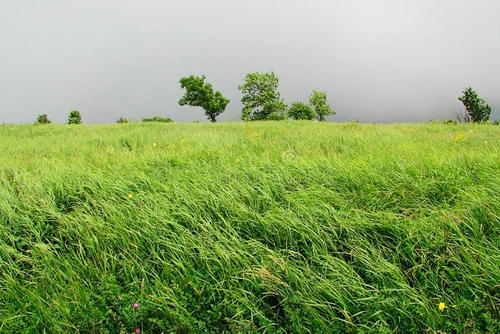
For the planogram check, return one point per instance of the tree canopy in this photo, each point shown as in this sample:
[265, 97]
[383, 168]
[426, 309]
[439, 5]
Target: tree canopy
[477, 109]
[201, 94]
[74, 117]
[319, 102]
[261, 98]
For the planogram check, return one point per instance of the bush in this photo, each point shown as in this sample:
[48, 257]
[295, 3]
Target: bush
[301, 111]
[277, 116]
[449, 121]
[42, 119]
[74, 117]
[157, 119]
[477, 110]
[123, 120]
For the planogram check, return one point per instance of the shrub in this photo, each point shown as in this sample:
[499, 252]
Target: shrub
[123, 120]
[277, 116]
[157, 119]
[449, 121]
[74, 117]
[477, 110]
[301, 111]
[42, 119]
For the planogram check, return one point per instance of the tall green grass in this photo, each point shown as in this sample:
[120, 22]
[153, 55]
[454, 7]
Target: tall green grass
[296, 227]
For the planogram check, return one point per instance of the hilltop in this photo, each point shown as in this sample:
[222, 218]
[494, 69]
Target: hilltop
[290, 227]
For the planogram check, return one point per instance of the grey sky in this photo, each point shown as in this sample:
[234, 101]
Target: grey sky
[383, 60]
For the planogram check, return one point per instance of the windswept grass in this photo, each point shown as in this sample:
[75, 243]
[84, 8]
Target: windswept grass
[297, 227]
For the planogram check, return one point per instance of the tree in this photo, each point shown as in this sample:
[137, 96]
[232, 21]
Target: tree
[477, 110]
[320, 105]
[261, 99]
[201, 94]
[74, 117]
[299, 110]
[42, 119]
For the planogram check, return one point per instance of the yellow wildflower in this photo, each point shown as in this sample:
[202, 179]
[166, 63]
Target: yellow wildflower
[459, 137]
[441, 306]
[130, 196]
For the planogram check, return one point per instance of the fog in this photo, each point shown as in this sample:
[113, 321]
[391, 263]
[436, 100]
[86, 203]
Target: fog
[379, 61]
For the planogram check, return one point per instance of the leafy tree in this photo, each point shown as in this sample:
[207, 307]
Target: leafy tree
[477, 110]
[42, 119]
[320, 105]
[299, 110]
[74, 117]
[157, 119]
[201, 94]
[261, 99]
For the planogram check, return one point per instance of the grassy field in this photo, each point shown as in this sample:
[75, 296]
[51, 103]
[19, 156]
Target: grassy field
[296, 227]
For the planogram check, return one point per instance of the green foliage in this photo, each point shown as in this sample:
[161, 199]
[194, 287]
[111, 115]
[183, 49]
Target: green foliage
[42, 119]
[260, 227]
[301, 111]
[158, 119]
[201, 94]
[277, 115]
[122, 120]
[261, 99]
[74, 117]
[319, 102]
[449, 121]
[477, 110]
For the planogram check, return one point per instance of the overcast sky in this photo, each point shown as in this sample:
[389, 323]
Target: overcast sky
[383, 60]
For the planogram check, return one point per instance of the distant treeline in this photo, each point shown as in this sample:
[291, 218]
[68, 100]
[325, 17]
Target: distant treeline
[262, 101]
[152, 119]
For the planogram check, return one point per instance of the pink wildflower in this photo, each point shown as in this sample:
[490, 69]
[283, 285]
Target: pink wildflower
[137, 330]
[119, 297]
[136, 305]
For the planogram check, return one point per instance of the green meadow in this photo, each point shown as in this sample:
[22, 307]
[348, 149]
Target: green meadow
[266, 227]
